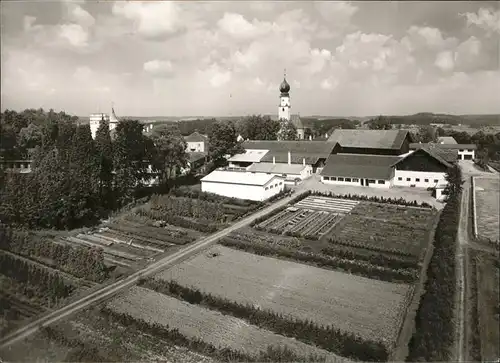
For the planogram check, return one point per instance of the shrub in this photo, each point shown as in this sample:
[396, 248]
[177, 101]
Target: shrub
[400, 201]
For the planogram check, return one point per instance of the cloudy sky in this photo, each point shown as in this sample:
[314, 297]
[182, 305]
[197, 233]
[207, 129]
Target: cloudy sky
[227, 58]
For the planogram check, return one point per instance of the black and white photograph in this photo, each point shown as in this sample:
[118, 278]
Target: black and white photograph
[249, 181]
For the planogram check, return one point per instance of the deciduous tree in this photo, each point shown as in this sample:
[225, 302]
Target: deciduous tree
[288, 131]
[222, 142]
[170, 151]
[257, 127]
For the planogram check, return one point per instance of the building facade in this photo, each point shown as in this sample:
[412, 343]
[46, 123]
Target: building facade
[196, 142]
[97, 118]
[242, 185]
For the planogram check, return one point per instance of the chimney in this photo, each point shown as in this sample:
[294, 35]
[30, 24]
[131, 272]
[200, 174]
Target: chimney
[289, 158]
[326, 135]
[304, 161]
[310, 137]
[274, 159]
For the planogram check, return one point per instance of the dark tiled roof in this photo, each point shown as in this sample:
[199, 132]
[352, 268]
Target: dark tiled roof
[433, 152]
[446, 146]
[310, 150]
[196, 137]
[369, 139]
[447, 140]
[196, 156]
[360, 166]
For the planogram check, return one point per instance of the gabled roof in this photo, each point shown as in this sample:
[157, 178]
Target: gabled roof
[279, 168]
[445, 146]
[447, 140]
[249, 156]
[360, 166]
[299, 150]
[196, 137]
[369, 139]
[196, 156]
[433, 152]
[238, 177]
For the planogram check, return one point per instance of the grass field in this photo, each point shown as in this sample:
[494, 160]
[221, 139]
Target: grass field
[487, 194]
[302, 291]
[488, 281]
[208, 325]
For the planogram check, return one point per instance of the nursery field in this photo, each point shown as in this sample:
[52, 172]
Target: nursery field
[297, 290]
[487, 194]
[198, 322]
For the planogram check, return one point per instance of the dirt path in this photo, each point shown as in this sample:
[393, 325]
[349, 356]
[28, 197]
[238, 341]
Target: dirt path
[112, 289]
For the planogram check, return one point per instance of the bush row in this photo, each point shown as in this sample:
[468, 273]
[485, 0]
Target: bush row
[87, 263]
[435, 323]
[43, 282]
[339, 342]
[475, 335]
[178, 221]
[361, 268]
[297, 199]
[164, 332]
[370, 247]
[394, 262]
[400, 201]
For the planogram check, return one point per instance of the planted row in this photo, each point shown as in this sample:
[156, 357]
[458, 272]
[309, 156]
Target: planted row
[175, 220]
[160, 331]
[81, 262]
[42, 282]
[435, 326]
[297, 199]
[370, 246]
[361, 268]
[339, 342]
[400, 201]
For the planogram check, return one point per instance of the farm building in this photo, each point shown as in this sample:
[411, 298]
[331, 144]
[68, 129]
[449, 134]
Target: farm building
[242, 185]
[464, 151]
[423, 168]
[268, 151]
[292, 173]
[357, 169]
[374, 142]
[196, 142]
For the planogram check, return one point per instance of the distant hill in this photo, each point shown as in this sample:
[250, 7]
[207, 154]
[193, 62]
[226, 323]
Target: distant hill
[426, 118]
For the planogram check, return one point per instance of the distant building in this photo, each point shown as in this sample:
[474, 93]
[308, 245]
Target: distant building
[21, 166]
[97, 118]
[284, 110]
[463, 151]
[446, 140]
[196, 142]
[242, 185]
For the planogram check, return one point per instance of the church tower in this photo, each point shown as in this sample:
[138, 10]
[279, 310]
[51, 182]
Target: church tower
[284, 107]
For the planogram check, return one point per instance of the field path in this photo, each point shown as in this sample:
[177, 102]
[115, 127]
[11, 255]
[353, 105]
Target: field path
[107, 291]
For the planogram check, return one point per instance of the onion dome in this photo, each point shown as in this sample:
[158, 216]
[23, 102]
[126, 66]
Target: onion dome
[284, 86]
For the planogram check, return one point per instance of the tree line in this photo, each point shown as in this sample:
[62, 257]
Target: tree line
[76, 180]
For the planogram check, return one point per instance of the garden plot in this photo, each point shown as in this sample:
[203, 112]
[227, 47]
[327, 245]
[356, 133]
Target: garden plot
[211, 326]
[487, 194]
[301, 291]
[327, 204]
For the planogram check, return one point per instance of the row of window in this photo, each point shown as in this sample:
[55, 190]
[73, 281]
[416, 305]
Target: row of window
[353, 180]
[417, 180]
[275, 185]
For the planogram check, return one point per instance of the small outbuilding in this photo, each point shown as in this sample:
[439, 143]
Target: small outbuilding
[242, 184]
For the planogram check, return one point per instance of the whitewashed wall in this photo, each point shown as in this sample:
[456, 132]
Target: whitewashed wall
[198, 146]
[422, 175]
[252, 192]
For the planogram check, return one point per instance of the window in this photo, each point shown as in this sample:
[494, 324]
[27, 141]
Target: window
[399, 178]
[267, 188]
[371, 181]
[435, 180]
[326, 178]
[426, 180]
[334, 178]
[381, 182]
[408, 179]
[461, 150]
[276, 184]
[340, 179]
[281, 183]
[417, 179]
[271, 187]
[347, 179]
[283, 109]
[355, 180]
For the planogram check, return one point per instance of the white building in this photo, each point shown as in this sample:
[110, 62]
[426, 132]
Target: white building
[196, 142]
[372, 171]
[97, 118]
[464, 151]
[242, 185]
[292, 173]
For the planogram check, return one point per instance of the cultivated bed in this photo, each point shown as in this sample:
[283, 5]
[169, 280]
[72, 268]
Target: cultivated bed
[208, 325]
[373, 309]
[487, 193]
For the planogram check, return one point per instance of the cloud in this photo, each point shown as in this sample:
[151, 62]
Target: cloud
[445, 61]
[80, 16]
[82, 74]
[427, 37]
[328, 84]
[486, 19]
[217, 76]
[159, 68]
[28, 22]
[74, 34]
[238, 27]
[337, 14]
[151, 19]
